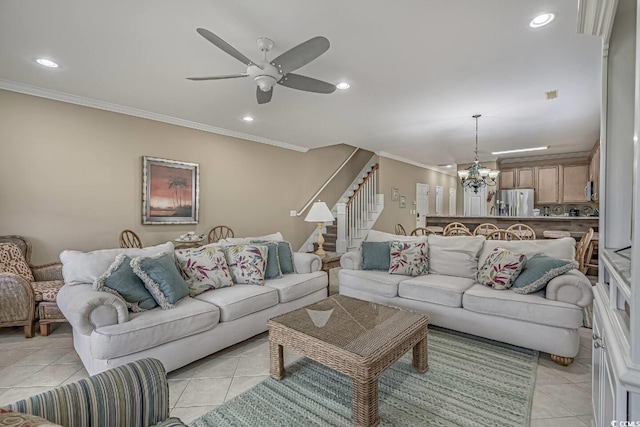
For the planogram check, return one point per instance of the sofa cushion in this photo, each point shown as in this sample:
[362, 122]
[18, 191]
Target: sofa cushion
[534, 308]
[408, 258]
[564, 248]
[293, 286]
[501, 268]
[374, 282]
[161, 278]
[455, 255]
[203, 268]
[539, 270]
[85, 267]
[375, 255]
[240, 300]
[435, 288]
[154, 327]
[120, 280]
[247, 263]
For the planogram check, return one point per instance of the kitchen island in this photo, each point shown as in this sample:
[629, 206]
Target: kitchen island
[576, 225]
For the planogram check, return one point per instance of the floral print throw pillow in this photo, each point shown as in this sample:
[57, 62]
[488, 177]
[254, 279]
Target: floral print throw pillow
[203, 268]
[408, 258]
[501, 268]
[247, 263]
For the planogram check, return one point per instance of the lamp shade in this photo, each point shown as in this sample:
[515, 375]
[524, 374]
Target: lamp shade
[319, 212]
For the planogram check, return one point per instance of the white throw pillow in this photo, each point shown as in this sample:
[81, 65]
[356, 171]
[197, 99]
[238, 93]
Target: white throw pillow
[564, 248]
[85, 267]
[381, 236]
[455, 255]
[203, 268]
[275, 237]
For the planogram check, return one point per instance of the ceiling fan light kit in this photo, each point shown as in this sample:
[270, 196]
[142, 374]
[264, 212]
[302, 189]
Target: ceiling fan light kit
[266, 73]
[477, 176]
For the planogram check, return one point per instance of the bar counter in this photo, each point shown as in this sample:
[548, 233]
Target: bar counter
[576, 225]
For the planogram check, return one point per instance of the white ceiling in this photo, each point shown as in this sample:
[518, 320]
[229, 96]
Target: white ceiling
[418, 69]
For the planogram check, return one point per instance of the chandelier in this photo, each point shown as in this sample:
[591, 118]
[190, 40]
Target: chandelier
[477, 176]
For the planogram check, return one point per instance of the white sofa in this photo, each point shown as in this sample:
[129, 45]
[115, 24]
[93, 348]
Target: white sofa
[106, 334]
[548, 320]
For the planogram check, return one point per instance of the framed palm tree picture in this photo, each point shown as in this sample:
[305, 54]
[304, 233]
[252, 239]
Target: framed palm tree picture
[170, 191]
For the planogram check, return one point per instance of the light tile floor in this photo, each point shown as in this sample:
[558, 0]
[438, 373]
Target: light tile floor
[29, 366]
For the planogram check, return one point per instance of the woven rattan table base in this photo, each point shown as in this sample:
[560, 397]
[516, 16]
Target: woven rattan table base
[364, 371]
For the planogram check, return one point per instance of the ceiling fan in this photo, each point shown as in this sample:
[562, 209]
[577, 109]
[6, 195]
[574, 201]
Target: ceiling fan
[267, 73]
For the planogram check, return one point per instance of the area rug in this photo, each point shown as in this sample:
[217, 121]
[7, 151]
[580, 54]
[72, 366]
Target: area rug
[471, 382]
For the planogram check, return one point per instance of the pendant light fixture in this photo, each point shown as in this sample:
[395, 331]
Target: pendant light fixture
[477, 176]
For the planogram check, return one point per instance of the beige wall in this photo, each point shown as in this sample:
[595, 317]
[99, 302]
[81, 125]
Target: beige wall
[460, 193]
[404, 176]
[71, 177]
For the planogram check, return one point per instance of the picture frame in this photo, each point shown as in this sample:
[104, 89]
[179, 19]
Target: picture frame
[170, 191]
[403, 201]
[394, 193]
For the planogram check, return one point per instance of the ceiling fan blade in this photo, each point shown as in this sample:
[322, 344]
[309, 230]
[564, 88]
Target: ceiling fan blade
[301, 55]
[263, 97]
[296, 81]
[224, 46]
[229, 76]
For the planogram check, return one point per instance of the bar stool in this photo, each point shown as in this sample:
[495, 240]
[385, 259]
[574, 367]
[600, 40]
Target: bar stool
[435, 229]
[555, 234]
[591, 249]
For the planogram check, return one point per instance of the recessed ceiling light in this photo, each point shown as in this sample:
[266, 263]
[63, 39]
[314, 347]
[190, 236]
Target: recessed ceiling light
[542, 20]
[247, 118]
[343, 85]
[46, 63]
[520, 150]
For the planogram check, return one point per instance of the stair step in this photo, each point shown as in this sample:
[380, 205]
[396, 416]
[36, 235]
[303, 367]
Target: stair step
[331, 247]
[331, 229]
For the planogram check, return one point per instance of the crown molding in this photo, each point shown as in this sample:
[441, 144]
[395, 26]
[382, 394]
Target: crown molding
[107, 106]
[414, 163]
[595, 17]
[576, 155]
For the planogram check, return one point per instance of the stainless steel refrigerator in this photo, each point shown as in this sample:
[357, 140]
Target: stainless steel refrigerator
[515, 202]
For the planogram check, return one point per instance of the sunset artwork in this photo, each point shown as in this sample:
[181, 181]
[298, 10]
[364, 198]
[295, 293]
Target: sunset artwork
[170, 192]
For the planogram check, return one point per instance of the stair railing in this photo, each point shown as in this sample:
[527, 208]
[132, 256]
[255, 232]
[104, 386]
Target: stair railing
[354, 214]
[313, 198]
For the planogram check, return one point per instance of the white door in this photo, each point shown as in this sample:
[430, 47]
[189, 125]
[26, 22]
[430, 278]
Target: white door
[475, 204]
[452, 201]
[422, 204]
[439, 199]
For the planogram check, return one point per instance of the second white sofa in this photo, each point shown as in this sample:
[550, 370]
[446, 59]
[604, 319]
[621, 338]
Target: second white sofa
[547, 320]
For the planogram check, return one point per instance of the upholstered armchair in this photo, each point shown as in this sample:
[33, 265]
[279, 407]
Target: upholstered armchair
[27, 292]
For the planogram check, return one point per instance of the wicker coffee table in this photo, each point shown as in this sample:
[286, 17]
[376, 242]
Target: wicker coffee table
[357, 338]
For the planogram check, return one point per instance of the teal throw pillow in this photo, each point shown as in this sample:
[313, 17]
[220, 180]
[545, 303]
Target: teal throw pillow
[273, 270]
[161, 278]
[285, 255]
[120, 280]
[538, 271]
[376, 255]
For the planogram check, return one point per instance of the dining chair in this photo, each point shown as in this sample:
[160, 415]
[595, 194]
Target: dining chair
[421, 231]
[502, 235]
[453, 225]
[457, 231]
[400, 231]
[581, 251]
[484, 229]
[129, 239]
[523, 231]
[218, 233]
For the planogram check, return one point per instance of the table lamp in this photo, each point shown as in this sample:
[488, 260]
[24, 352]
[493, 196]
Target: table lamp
[319, 213]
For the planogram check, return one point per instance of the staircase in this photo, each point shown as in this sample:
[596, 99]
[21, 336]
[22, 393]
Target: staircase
[356, 212]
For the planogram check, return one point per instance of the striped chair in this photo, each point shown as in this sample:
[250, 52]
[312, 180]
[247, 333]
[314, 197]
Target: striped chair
[133, 395]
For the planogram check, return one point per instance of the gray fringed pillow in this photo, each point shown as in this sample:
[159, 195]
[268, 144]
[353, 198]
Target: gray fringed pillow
[538, 271]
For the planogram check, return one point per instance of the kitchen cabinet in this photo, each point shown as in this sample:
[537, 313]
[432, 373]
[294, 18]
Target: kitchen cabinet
[547, 188]
[574, 182]
[526, 178]
[507, 179]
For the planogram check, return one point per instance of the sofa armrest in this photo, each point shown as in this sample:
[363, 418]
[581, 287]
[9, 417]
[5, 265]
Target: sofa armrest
[134, 394]
[87, 309]
[352, 260]
[572, 287]
[306, 262]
